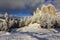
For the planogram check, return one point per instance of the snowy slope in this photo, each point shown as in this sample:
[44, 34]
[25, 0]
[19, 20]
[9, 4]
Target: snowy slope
[31, 32]
[43, 34]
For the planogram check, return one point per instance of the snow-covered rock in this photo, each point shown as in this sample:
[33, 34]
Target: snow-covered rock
[30, 27]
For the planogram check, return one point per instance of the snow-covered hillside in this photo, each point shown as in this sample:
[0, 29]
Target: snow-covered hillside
[42, 34]
[31, 33]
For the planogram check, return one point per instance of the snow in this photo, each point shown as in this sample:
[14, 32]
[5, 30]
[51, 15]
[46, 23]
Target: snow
[43, 34]
[31, 32]
[30, 28]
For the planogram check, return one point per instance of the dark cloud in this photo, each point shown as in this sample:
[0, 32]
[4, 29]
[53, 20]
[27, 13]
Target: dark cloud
[23, 5]
[12, 4]
[28, 5]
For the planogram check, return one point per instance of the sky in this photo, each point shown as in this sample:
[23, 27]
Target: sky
[22, 7]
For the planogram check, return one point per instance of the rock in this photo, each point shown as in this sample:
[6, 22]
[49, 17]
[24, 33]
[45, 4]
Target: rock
[44, 9]
[52, 9]
[30, 27]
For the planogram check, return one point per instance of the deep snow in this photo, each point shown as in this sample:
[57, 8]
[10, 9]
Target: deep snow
[31, 33]
[43, 34]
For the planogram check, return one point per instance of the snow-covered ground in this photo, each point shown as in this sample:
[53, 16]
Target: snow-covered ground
[31, 33]
[43, 34]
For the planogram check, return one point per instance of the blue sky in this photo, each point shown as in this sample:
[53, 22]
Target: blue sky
[16, 13]
[19, 13]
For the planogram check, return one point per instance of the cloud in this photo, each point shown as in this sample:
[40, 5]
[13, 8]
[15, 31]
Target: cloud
[12, 4]
[21, 4]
